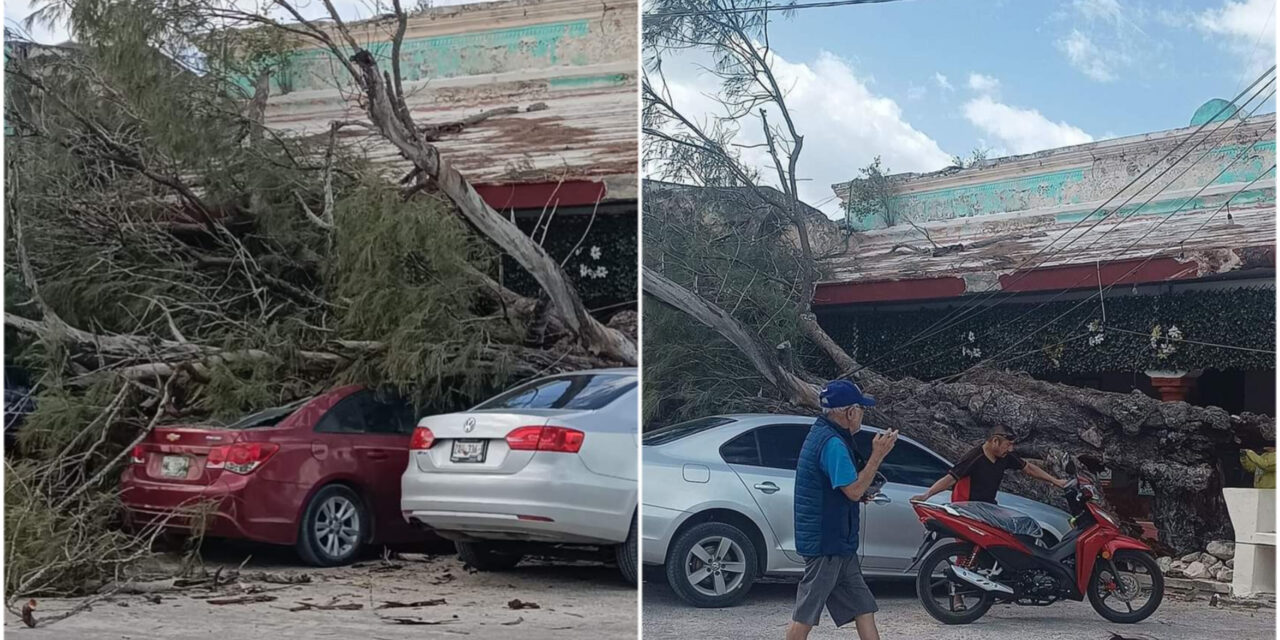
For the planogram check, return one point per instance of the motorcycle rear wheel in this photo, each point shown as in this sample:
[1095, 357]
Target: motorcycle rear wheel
[929, 580]
[1137, 563]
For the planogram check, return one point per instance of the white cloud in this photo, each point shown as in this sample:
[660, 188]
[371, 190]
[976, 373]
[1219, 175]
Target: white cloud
[942, 81]
[1021, 130]
[983, 83]
[1086, 57]
[915, 92]
[845, 124]
[1247, 29]
[1099, 9]
[1107, 40]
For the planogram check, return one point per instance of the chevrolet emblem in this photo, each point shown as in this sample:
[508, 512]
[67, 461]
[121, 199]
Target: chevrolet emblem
[173, 437]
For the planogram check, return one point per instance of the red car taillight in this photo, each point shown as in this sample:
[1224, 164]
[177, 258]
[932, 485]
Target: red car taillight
[242, 458]
[562, 439]
[138, 455]
[422, 439]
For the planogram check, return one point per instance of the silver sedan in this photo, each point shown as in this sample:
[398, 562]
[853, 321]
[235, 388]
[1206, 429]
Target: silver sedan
[717, 505]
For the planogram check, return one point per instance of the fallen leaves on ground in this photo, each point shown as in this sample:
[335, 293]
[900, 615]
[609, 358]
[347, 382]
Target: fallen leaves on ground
[519, 604]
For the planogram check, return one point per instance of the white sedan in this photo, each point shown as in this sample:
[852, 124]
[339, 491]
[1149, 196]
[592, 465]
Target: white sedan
[549, 464]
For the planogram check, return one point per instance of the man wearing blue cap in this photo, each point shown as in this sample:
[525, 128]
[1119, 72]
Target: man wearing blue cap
[829, 488]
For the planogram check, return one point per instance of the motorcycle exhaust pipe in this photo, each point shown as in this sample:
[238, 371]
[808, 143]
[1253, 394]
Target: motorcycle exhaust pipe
[979, 581]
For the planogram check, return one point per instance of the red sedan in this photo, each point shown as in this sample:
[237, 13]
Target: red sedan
[322, 474]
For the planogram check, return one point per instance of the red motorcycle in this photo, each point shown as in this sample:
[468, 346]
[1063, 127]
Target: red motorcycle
[996, 555]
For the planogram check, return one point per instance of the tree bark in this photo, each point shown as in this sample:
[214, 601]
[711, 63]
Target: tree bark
[595, 336]
[1173, 445]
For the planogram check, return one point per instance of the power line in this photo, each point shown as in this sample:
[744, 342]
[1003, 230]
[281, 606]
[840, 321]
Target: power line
[965, 310]
[1140, 239]
[765, 8]
[1082, 280]
[1127, 274]
[1203, 344]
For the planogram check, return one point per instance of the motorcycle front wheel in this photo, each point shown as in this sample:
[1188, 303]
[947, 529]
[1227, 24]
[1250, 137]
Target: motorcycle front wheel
[1133, 593]
[949, 601]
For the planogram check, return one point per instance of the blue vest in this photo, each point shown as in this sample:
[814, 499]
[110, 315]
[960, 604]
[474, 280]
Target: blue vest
[826, 520]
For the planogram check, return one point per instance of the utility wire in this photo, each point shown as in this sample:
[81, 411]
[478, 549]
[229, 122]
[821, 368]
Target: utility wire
[965, 311]
[1102, 291]
[955, 316]
[1098, 239]
[1117, 281]
[768, 7]
[1203, 344]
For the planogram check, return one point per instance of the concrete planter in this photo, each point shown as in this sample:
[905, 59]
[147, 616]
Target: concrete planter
[1253, 515]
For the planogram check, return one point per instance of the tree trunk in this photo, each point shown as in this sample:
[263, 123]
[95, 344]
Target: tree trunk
[1172, 445]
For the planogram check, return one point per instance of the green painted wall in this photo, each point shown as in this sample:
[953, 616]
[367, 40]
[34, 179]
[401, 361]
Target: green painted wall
[1082, 185]
[484, 52]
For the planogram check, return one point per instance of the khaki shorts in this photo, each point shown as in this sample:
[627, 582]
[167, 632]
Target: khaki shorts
[835, 582]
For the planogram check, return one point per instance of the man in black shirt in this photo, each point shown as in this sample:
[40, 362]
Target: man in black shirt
[977, 476]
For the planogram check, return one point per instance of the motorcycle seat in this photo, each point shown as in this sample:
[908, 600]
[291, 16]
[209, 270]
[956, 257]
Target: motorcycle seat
[1004, 518]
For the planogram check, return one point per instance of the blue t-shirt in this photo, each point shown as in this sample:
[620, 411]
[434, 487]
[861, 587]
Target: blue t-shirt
[838, 463]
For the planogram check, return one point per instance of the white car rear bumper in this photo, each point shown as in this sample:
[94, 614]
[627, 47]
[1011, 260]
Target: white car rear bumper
[554, 498]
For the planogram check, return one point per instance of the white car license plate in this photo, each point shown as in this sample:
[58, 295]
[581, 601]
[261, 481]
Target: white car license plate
[175, 466]
[469, 450]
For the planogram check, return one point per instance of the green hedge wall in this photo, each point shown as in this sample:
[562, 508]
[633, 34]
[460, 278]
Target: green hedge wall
[1242, 317]
[604, 266]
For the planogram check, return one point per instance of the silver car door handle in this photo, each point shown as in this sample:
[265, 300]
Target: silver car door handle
[767, 487]
[881, 498]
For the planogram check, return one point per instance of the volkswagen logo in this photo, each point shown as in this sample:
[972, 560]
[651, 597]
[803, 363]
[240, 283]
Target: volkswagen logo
[469, 425]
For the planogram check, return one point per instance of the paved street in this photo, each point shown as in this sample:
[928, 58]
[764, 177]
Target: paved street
[767, 610]
[575, 601]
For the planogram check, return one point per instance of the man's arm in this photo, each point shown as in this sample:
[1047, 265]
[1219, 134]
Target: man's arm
[881, 445]
[943, 483]
[960, 470]
[1040, 474]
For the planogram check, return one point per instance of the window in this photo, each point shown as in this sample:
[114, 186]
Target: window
[906, 464]
[584, 392]
[741, 450]
[775, 446]
[780, 445]
[348, 416]
[673, 432]
[386, 412]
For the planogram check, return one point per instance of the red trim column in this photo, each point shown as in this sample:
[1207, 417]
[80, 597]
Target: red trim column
[1173, 386]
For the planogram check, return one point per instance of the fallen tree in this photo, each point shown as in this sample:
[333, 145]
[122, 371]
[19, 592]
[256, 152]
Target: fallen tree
[739, 253]
[172, 259]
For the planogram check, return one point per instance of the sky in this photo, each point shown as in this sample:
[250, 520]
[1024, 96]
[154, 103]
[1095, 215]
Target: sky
[918, 81]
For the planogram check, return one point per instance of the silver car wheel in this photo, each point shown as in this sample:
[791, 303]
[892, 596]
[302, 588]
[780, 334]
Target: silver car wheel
[337, 526]
[715, 566]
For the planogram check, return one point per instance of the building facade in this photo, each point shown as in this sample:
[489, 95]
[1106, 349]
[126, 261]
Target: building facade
[534, 101]
[1068, 265]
